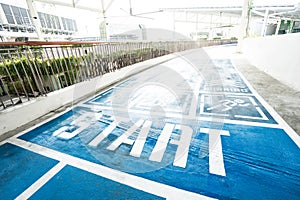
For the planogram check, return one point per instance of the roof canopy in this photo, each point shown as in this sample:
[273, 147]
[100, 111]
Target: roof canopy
[275, 11]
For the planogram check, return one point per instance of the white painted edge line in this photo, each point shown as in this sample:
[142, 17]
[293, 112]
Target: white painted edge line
[289, 131]
[3, 142]
[139, 183]
[208, 119]
[252, 101]
[263, 116]
[195, 100]
[37, 125]
[41, 181]
[227, 93]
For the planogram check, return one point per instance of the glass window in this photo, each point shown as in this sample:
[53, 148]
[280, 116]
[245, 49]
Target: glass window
[52, 21]
[64, 22]
[75, 25]
[8, 13]
[48, 20]
[42, 19]
[25, 16]
[56, 19]
[69, 24]
[17, 14]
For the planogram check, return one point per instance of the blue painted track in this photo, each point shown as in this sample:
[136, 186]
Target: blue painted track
[191, 127]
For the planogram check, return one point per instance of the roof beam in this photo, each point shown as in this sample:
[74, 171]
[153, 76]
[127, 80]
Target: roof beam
[109, 4]
[75, 2]
[230, 8]
[71, 4]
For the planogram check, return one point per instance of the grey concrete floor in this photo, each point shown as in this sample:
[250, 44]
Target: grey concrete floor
[285, 100]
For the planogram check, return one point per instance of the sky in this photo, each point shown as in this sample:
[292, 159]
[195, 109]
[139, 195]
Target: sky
[142, 5]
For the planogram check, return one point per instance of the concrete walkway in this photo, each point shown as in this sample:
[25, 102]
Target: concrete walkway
[284, 99]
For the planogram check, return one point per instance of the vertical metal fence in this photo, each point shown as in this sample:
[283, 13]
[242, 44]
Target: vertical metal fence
[32, 69]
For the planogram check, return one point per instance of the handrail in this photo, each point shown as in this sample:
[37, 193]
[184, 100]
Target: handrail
[62, 43]
[47, 43]
[36, 68]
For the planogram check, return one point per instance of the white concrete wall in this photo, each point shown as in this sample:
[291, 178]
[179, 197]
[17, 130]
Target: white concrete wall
[19, 115]
[278, 56]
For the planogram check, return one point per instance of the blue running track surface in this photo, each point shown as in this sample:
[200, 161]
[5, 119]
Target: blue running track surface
[189, 128]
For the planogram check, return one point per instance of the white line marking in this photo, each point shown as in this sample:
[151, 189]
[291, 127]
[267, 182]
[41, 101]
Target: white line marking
[135, 101]
[100, 96]
[100, 137]
[215, 114]
[3, 142]
[216, 161]
[252, 101]
[182, 152]
[225, 93]
[138, 146]
[79, 122]
[202, 104]
[124, 138]
[180, 116]
[194, 103]
[40, 124]
[60, 130]
[263, 116]
[247, 117]
[208, 119]
[161, 144]
[41, 181]
[282, 124]
[261, 113]
[67, 135]
[185, 104]
[139, 183]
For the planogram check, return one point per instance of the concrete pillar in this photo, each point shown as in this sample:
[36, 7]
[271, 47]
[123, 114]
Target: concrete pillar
[197, 21]
[105, 21]
[35, 18]
[174, 25]
[210, 35]
[291, 26]
[244, 26]
[278, 27]
[174, 21]
[265, 23]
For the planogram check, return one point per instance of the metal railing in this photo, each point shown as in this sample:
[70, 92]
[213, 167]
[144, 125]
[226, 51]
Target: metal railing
[31, 69]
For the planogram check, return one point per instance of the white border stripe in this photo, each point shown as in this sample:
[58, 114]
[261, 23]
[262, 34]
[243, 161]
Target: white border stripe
[282, 123]
[139, 183]
[208, 119]
[41, 181]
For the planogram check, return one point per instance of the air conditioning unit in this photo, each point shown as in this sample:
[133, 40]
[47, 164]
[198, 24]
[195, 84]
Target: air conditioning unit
[21, 39]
